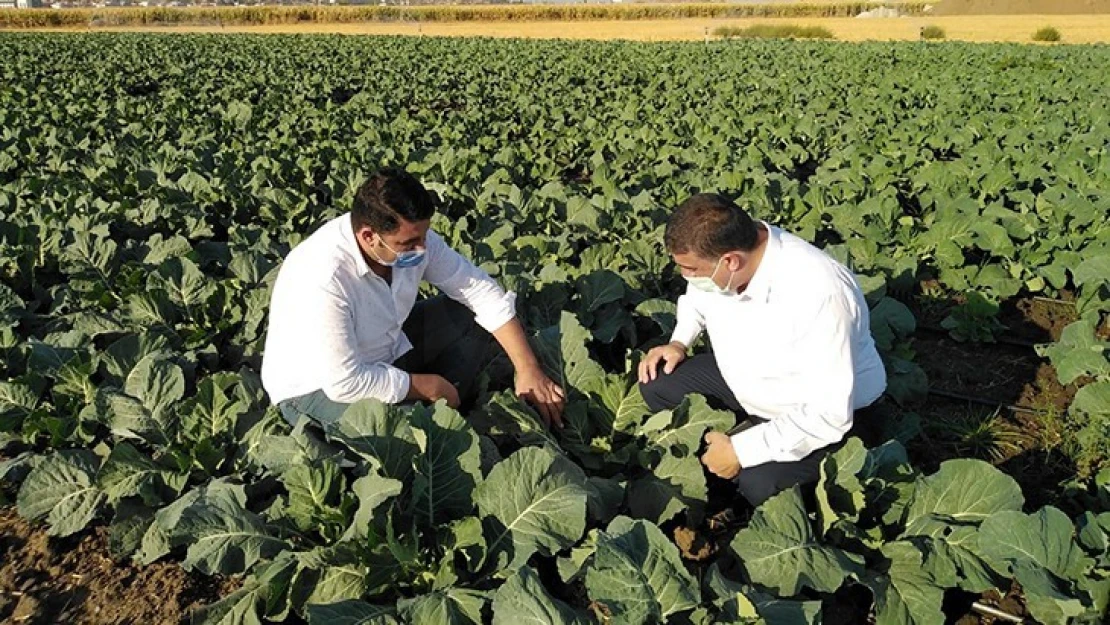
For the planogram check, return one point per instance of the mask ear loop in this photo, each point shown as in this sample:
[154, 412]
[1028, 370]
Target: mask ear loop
[731, 274]
[379, 258]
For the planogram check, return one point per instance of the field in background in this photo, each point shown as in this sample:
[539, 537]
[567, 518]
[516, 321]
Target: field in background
[270, 15]
[980, 28]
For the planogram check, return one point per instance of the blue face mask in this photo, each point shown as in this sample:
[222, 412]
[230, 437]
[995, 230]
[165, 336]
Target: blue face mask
[402, 260]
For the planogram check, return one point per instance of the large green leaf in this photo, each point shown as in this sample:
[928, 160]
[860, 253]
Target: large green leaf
[1094, 400]
[523, 599]
[17, 401]
[738, 602]
[211, 413]
[372, 491]
[129, 473]
[313, 491]
[1078, 352]
[620, 395]
[131, 522]
[1049, 599]
[854, 477]
[455, 606]
[122, 356]
[534, 500]
[350, 612]
[262, 594]
[62, 489]
[1093, 271]
[1045, 538]
[380, 431]
[963, 492]
[223, 536]
[599, 288]
[907, 593]
[562, 350]
[688, 422]
[448, 466]
[637, 574]
[956, 547]
[676, 484]
[891, 321]
[147, 410]
[779, 549]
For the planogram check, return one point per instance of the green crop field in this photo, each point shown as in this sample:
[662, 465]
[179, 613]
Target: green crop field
[150, 186]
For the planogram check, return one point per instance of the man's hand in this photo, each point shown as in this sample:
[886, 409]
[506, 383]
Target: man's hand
[432, 388]
[719, 457]
[670, 354]
[533, 385]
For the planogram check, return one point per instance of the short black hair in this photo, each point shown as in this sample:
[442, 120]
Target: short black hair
[709, 224]
[389, 196]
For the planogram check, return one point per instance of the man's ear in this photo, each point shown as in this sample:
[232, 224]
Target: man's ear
[365, 234]
[736, 260]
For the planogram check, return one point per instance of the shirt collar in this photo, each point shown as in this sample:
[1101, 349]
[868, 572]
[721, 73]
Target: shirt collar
[759, 288]
[350, 244]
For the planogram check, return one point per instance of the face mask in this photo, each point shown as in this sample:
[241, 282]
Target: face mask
[706, 283]
[403, 260]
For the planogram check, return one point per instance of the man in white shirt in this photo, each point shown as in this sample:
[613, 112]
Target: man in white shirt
[791, 340]
[345, 323]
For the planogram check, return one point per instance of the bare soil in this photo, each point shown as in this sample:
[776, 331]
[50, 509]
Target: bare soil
[46, 580]
[1021, 7]
[1002, 374]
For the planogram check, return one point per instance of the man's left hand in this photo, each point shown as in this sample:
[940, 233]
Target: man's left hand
[719, 457]
[536, 388]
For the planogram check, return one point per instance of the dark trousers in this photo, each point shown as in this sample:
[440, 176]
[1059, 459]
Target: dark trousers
[446, 341]
[700, 374]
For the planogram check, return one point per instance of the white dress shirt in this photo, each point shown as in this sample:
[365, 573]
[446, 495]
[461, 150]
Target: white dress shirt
[335, 325]
[795, 347]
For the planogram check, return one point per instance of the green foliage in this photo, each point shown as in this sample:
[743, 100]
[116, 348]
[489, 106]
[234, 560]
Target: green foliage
[773, 31]
[146, 202]
[1047, 34]
[975, 320]
[932, 32]
[1081, 354]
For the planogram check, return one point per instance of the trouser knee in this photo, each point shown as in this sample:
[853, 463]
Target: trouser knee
[756, 487]
[659, 394]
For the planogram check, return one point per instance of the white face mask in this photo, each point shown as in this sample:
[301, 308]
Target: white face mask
[706, 283]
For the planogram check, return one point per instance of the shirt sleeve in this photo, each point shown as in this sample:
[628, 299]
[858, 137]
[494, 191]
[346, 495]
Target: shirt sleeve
[689, 321]
[347, 376]
[822, 414]
[460, 280]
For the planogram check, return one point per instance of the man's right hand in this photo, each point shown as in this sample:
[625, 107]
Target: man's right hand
[432, 388]
[670, 355]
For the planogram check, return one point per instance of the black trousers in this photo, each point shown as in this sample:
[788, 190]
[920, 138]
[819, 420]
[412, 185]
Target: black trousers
[700, 374]
[446, 341]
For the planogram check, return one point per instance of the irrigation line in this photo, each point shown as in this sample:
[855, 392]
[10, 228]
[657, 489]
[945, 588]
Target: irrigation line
[985, 402]
[1054, 301]
[1001, 339]
[996, 613]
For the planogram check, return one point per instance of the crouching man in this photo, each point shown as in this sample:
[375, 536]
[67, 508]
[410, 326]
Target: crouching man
[791, 345]
[345, 323]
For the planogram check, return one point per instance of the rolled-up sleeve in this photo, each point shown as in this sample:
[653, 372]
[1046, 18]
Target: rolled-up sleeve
[347, 376]
[689, 321]
[822, 414]
[460, 280]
